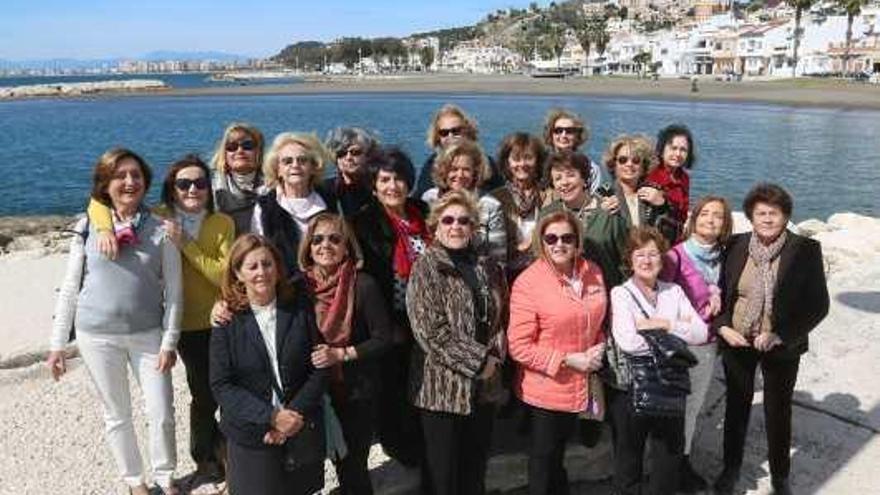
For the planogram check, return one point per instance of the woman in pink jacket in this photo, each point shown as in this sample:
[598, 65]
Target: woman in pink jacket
[557, 309]
[695, 265]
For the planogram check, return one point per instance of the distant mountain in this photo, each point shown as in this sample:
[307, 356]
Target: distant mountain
[161, 55]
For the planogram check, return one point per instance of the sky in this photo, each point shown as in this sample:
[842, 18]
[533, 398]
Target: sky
[91, 29]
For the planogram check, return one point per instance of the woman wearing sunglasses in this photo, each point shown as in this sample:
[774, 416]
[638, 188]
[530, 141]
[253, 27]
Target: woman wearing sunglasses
[238, 175]
[356, 331]
[463, 167]
[449, 126]
[354, 148]
[557, 311]
[566, 131]
[292, 168]
[628, 160]
[457, 304]
[203, 237]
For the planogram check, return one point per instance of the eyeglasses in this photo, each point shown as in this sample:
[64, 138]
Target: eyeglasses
[449, 220]
[552, 239]
[567, 130]
[455, 131]
[635, 160]
[185, 184]
[335, 239]
[354, 152]
[245, 144]
[646, 256]
[300, 160]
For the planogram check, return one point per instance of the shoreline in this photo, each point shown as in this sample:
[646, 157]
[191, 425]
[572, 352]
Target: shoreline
[799, 93]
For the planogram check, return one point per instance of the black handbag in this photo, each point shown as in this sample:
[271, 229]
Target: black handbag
[660, 380]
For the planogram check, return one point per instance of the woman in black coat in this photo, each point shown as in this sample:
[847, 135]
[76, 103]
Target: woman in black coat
[775, 293]
[261, 374]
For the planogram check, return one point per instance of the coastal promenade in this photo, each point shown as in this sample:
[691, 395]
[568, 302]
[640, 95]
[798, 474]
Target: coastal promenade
[825, 93]
[53, 439]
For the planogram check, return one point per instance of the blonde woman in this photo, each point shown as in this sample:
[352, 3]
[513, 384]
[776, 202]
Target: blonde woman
[238, 175]
[292, 169]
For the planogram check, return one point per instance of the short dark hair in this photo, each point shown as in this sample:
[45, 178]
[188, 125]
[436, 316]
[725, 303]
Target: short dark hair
[665, 136]
[638, 238]
[519, 142]
[168, 188]
[106, 167]
[573, 160]
[771, 194]
[393, 159]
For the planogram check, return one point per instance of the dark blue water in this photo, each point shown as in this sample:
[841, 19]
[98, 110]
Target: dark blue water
[188, 80]
[828, 159]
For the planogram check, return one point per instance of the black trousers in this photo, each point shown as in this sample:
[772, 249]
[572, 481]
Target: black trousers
[455, 461]
[357, 419]
[398, 427]
[205, 439]
[780, 376]
[253, 471]
[550, 431]
[632, 434]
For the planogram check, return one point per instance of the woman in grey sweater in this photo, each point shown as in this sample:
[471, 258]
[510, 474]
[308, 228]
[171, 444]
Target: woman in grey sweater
[127, 313]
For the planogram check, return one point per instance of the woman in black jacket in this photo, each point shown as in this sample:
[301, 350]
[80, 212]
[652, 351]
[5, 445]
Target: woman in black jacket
[263, 379]
[391, 231]
[773, 282]
[356, 329]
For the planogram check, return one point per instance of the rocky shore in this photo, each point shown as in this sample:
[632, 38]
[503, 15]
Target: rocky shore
[53, 439]
[82, 88]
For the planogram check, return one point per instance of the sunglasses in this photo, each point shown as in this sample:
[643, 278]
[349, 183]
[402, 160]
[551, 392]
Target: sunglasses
[354, 152]
[455, 131]
[185, 184]
[449, 220]
[635, 160]
[552, 239]
[335, 239]
[301, 160]
[567, 130]
[245, 144]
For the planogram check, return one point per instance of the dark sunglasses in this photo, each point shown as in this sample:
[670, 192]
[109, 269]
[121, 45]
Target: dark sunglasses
[449, 220]
[455, 131]
[635, 160]
[552, 239]
[567, 130]
[335, 239]
[185, 184]
[245, 144]
[354, 152]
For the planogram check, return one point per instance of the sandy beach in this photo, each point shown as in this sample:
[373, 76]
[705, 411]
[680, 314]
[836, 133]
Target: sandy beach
[822, 93]
[53, 440]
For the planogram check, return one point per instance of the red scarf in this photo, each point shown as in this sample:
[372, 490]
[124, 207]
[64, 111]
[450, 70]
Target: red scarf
[404, 256]
[334, 302]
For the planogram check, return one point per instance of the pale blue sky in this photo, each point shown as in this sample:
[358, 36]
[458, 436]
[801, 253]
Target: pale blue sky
[39, 29]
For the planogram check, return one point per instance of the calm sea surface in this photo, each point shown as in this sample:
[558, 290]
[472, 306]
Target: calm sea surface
[188, 80]
[829, 159]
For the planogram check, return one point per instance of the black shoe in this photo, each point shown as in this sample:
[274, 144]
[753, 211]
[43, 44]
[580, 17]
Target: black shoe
[688, 479]
[781, 487]
[727, 481]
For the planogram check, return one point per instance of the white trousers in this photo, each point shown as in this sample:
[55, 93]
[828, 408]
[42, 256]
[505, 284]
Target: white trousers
[701, 378]
[107, 358]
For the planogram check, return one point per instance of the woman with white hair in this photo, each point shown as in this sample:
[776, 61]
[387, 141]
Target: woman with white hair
[354, 149]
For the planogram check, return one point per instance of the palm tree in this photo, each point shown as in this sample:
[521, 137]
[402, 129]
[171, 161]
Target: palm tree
[799, 7]
[852, 8]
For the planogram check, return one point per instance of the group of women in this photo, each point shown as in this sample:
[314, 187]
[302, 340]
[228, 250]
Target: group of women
[319, 316]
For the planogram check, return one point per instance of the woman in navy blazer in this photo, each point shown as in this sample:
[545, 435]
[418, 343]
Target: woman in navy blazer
[262, 376]
[773, 282]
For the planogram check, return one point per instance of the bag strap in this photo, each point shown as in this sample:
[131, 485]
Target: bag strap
[638, 303]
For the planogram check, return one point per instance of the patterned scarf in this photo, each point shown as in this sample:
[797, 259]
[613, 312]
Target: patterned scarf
[242, 189]
[760, 295]
[403, 255]
[334, 302]
[707, 259]
[524, 202]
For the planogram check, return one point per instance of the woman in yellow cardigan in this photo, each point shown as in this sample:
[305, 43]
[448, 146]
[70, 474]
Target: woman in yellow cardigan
[204, 238]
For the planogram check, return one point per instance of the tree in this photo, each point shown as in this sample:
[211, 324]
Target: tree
[533, 7]
[852, 8]
[799, 7]
[426, 54]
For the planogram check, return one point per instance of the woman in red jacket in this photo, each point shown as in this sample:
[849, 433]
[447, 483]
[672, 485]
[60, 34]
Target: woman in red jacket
[675, 150]
[557, 309]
